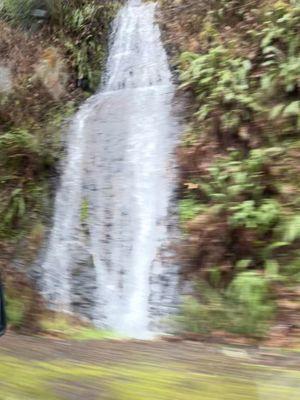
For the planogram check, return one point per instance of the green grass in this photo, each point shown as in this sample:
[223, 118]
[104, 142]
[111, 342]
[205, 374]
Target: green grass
[62, 327]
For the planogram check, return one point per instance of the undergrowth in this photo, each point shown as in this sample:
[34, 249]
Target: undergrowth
[55, 62]
[240, 193]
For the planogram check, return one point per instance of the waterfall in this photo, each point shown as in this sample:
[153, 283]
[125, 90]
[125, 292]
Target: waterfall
[119, 168]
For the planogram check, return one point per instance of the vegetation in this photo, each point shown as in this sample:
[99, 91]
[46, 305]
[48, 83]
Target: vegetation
[79, 26]
[240, 191]
[55, 61]
[243, 307]
[240, 195]
[217, 377]
[67, 328]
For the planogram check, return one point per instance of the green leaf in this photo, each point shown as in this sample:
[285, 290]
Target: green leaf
[243, 264]
[292, 230]
[247, 65]
[15, 192]
[276, 111]
[271, 269]
[269, 49]
[292, 109]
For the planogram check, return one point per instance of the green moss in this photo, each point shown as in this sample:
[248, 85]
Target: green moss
[84, 210]
[15, 311]
[92, 334]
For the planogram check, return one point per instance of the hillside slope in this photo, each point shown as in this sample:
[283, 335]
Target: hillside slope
[48, 67]
[239, 63]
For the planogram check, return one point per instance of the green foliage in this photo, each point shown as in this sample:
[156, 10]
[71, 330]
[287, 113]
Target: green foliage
[18, 11]
[228, 9]
[291, 228]
[281, 22]
[16, 207]
[188, 209]
[253, 216]
[79, 18]
[198, 318]
[82, 62]
[15, 311]
[281, 75]
[232, 176]
[244, 307]
[243, 77]
[221, 83]
[81, 25]
[19, 207]
[14, 142]
[227, 85]
[280, 45]
[292, 269]
[21, 196]
[30, 138]
[62, 326]
[21, 12]
[239, 184]
[87, 26]
[250, 308]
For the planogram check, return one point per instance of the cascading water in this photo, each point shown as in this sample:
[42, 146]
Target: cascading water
[119, 170]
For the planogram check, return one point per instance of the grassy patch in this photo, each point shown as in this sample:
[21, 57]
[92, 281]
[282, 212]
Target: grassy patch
[60, 326]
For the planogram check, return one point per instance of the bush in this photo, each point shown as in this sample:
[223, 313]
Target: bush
[83, 24]
[221, 83]
[19, 12]
[244, 307]
[205, 315]
[15, 312]
[250, 308]
[188, 209]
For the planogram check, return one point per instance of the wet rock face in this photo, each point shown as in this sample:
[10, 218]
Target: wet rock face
[84, 288]
[83, 278]
[119, 174]
[6, 83]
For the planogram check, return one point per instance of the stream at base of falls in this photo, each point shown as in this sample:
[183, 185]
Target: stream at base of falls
[109, 254]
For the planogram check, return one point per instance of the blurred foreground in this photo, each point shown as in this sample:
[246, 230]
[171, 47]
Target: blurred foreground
[42, 368]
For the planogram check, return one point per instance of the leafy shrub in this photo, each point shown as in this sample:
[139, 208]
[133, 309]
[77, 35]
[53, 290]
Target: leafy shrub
[83, 24]
[14, 143]
[21, 12]
[253, 216]
[249, 305]
[15, 311]
[228, 9]
[245, 307]
[87, 25]
[188, 209]
[233, 179]
[18, 11]
[19, 207]
[205, 315]
[221, 82]
[243, 75]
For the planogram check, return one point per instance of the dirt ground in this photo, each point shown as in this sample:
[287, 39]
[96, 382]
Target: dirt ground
[34, 368]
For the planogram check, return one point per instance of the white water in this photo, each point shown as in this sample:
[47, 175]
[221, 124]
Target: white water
[119, 160]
